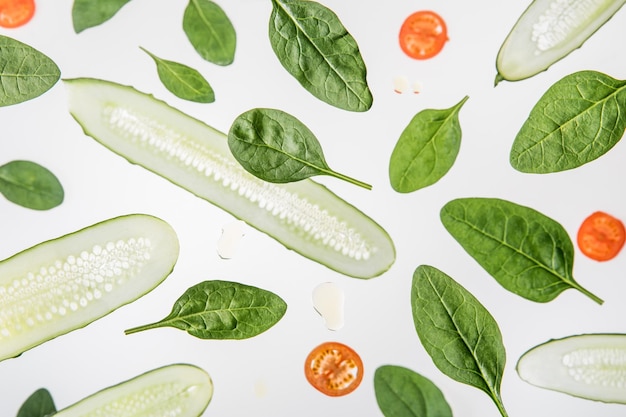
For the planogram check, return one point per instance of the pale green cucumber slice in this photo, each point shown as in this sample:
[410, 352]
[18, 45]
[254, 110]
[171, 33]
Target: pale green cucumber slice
[547, 31]
[304, 216]
[177, 390]
[66, 283]
[590, 366]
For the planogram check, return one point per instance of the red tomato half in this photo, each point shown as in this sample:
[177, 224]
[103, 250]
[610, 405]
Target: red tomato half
[334, 369]
[601, 236]
[14, 13]
[423, 34]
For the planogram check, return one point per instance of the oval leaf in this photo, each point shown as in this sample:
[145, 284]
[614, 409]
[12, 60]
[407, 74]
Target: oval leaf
[222, 310]
[426, 150]
[401, 392]
[315, 48]
[578, 119]
[457, 331]
[527, 252]
[184, 82]
[90, 13]
[39, 404]
[25, 73]
[30, 185]
[276, 147]
[210, 31]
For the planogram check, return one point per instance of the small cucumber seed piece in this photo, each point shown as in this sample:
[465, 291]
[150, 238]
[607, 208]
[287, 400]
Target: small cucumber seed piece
[547, 31]
[178, 390]
[64, 284]
[591, 366]
[304, 216]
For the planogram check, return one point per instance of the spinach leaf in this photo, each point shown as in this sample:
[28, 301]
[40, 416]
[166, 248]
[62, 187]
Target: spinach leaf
[39, 404]
[25, 73]
[276, 147]
[90, 13]
[210, 31]
[222, 310]
[457, 331]
[578, 119]
[312, 44]
[401, 392]
[184, 82]
[527, 252]
[30, 185]
[426, 150]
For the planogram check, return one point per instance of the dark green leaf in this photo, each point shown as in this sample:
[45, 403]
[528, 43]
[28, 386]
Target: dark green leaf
[30, 185]
[184, 82]
[222, 310]
[401, 392]
[277, 147]
[210, 31]
[457, 331]
[90, 13]
[39, 404]
[578, 119]
[527, 252]
[316, 49]
[25, 73]
[426, 150]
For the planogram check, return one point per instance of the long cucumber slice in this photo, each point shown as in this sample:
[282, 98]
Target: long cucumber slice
[177, 390]
[591, 366]
[304, 216]
[547, 31]
[66, 283]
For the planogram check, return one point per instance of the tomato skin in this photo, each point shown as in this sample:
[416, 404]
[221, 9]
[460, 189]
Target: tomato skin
[601, 236]
[15, 13]
[334, 369]
[423, 34]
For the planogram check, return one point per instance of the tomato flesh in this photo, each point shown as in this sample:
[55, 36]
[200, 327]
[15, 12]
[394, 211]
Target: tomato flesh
[334, 369]
[14, 13]
[423, 34]
[601, 236]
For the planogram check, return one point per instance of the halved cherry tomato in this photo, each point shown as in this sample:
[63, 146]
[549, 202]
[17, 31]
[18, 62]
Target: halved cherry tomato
[601, 236]
[423, 34]
[334, 369]
[14, 13]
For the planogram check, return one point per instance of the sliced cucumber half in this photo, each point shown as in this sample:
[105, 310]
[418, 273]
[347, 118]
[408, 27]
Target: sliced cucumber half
[591, 366]
[304, 216]
[66, 283]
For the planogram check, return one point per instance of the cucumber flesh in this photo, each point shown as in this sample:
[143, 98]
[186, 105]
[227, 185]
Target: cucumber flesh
[304, 216]
[547, 31]
[590, 366]
[66, 283]
[178, 390]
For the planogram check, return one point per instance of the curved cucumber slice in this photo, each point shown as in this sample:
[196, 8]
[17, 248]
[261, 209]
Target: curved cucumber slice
[178, 390]
[547, 31]
[304, 216]
[64, 284]
[591, 366]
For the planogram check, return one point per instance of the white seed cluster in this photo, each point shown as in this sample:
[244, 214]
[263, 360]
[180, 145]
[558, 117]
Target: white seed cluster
[303, 218]
[561, 19]
[68, 285]
[602, 366]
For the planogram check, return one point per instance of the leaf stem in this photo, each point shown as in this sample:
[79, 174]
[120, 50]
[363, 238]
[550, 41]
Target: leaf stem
[142, 328]
[350, 180]
[588, 293]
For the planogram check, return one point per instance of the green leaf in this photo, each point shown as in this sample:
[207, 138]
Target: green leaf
[222, 310]
[90, 13]
[457, 331]
[276, 147]
[39, 404]
[30, 185]
[426, 150]
[210, 31]
[316, 49]
[25, 73]
[578, 119]
[401, 392]
[527, 252]
[183, 81]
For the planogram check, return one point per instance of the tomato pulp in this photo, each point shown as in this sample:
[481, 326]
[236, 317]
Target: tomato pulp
[423, 34]
[14, 13]
[334, 369]
[601, 236]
